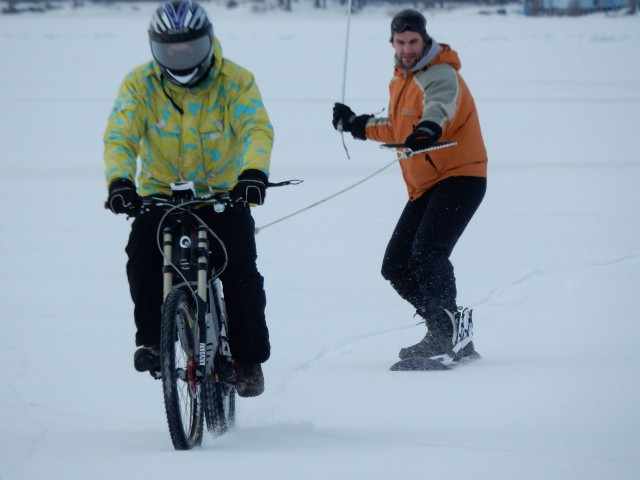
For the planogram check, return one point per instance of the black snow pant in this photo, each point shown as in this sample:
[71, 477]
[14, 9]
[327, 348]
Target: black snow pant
[243, 286]
[416, 261]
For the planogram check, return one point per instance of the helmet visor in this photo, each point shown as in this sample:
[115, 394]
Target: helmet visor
[182, 55]
[414, 23]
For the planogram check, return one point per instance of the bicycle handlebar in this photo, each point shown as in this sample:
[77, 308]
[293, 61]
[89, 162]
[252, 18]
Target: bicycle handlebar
[222, 199]
[183, 195]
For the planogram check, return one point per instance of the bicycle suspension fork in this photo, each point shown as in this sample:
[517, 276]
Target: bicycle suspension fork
[203, 262]
[205, 348]
[167, 268]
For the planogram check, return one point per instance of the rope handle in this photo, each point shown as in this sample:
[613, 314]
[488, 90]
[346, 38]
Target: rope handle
[403, 152]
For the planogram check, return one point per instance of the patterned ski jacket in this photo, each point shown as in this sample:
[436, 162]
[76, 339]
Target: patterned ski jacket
[223, 130]
[433, 90]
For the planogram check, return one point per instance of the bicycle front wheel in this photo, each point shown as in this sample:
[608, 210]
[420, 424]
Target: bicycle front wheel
[182, 387]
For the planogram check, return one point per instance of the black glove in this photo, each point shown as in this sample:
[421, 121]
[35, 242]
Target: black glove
[423, 136]
[345, 120]
[123, 197]
[251, 187]
[342, 117]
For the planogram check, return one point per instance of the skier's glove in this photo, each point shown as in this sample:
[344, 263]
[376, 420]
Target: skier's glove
[123, 197]
[251, 187]
[423, 136]
[346, 121]
[342, 117]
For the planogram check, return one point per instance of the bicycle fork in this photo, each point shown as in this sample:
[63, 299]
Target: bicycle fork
[167, 272]
[201, 345]
[205, 346]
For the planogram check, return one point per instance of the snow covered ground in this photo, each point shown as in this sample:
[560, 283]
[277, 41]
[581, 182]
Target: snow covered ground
[551, 262]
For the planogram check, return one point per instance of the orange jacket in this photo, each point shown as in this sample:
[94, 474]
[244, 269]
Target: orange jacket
[436, 93]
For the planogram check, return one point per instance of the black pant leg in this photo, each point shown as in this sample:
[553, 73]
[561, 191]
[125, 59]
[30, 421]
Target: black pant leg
[450, 206]
[416, 260]
[144, 272]
[395, 264]
[242, 283]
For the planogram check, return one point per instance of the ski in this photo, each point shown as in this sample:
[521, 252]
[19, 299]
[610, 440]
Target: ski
[404, 152]
[438, 363]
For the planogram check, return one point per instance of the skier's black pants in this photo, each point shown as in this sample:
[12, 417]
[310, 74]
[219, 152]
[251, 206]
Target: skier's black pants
[243, 286]
[416, 261]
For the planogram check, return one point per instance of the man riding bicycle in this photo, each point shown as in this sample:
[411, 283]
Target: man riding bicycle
[192, 115]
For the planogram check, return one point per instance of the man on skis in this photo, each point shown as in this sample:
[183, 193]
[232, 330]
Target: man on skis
[429, 102]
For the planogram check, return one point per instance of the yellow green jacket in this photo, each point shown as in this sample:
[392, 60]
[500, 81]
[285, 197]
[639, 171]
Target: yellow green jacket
[223, 130]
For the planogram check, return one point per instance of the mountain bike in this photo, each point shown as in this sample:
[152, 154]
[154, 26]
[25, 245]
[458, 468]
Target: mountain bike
[196, 362]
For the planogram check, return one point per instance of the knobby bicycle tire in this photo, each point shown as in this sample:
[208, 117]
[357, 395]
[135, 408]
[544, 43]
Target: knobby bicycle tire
[181, 387]
[219, 387]
[220, 399]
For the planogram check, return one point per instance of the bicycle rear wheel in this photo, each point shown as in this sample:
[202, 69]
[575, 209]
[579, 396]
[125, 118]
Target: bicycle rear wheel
[220, 398]
[181, 386]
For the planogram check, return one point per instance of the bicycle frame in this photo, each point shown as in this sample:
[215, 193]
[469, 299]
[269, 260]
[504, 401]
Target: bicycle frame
[209, 302]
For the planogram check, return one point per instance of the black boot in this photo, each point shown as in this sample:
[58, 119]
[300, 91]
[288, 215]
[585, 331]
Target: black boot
[249, 379]
[438, 339]
[147, 359]
[442, 336]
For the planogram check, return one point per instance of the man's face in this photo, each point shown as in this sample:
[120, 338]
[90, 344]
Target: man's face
[409, 47]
